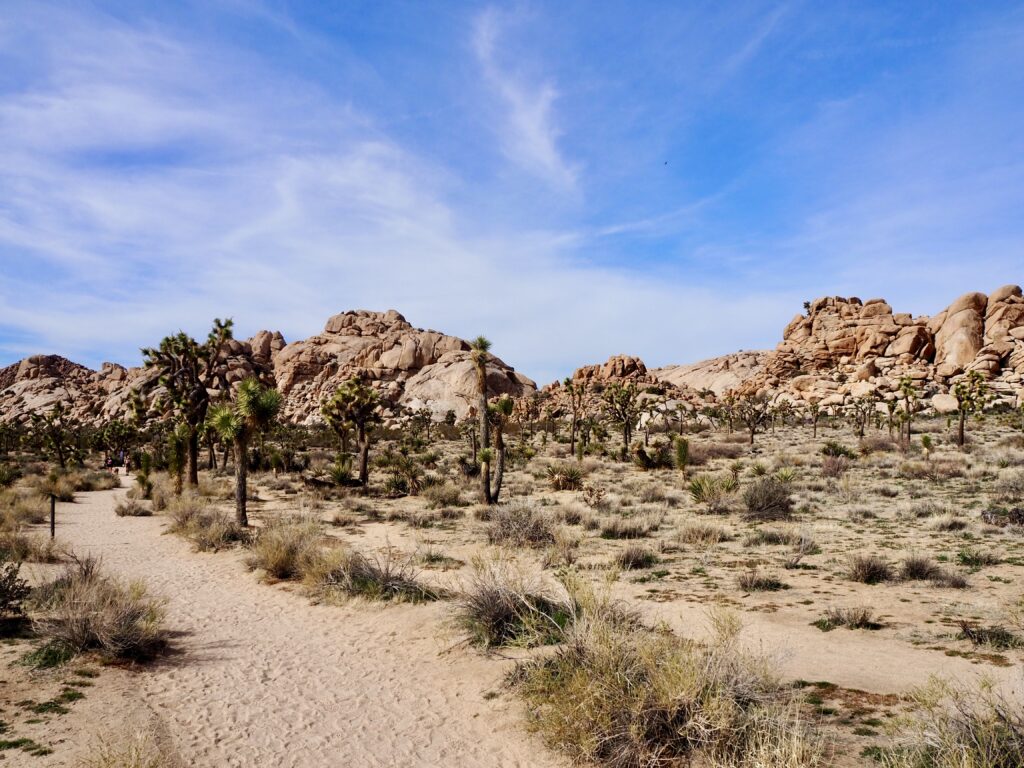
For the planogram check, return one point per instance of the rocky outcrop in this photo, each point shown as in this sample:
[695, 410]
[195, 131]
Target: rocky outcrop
[718, 375]
[844, 348]
[410, 366]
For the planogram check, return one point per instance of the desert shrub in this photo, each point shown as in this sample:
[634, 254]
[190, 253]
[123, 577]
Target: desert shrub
[636, 557]
[869, 569]
[918, 568]
[503, 605]
[923, 509]
[656, 456]
[756, 581]
[875, 443]
[713, 491]
[520, 523]
[1001, 517]
[768, 499]
[14, 590]
[594, 496]
[443, 495]
[851, 618]
[87, 610]
[995, 637]
[132, 508]
[624, 528]
[834, 466]
[949, 579]
[282, 549]
[702, 534]
[565, 476]
[615, 693]
[957, 728]
[9, 473]
[341, 573]
[835, 449]
[160, 496]
[936, 469]
[701, 453]
[972, 557]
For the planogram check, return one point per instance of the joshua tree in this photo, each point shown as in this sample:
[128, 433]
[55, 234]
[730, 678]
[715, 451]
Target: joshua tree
[814, 411]
[862, 409]
[753, 411]
[188, 371]
[358, 404]
[252, 413]
[480, 348]
[57, 434]
[623, 408]
[576, 392]
[909, 394]
[972, 395]
[500, 412]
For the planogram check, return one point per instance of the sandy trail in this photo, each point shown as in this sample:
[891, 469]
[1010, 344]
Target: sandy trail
[262, 678]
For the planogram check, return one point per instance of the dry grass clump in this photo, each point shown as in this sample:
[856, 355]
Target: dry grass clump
[283, 549]
[17, 509]
[137, 750]
[958, 728]
[618, 694]
[338, 574]
[972, 557]
[87, 610]
[948, 523]
[625, 528]
[702, 534]
[520, 523]
[132, 508]
[869, 569]
[504, 605]
[210, 530]
[774, 537]
[1010, 487]
[22, 547]
[636, 557]
[768, 499]
[994, 637]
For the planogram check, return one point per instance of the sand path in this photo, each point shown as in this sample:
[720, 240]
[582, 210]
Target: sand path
[262, 678]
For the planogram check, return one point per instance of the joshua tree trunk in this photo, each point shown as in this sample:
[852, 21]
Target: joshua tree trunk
[193, 457]
[364, 456]
[241, 480]
[960, 428]
[485, 482]
[499, 470]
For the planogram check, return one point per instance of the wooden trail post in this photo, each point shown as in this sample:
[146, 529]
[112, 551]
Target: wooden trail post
[53, 515]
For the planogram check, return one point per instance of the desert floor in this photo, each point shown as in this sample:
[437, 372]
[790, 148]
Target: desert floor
[260, 676]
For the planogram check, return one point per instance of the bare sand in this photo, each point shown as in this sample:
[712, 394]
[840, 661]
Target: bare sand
[259, 677]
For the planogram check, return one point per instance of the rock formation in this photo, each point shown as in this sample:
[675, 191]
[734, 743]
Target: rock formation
[844, 348]
[412, 367]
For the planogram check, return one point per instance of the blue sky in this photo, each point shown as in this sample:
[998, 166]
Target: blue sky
[571, 179]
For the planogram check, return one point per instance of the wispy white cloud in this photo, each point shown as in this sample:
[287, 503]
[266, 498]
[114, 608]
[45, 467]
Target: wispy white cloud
[529, 129]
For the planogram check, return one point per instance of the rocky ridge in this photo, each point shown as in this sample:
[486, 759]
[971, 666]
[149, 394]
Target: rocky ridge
[412, 367]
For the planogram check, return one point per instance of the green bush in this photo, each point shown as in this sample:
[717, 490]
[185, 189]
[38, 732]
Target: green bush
[768, 499]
